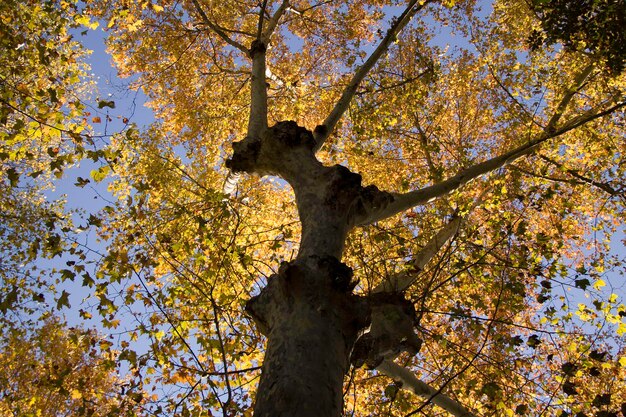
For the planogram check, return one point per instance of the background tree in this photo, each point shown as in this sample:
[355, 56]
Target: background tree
[48, 368]
[43, 131]
[469, 297]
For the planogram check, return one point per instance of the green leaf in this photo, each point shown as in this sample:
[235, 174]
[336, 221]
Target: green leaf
[87, 280]
[533, 341]
[63, 300]
[67, 274]
[582, 283]
[7, 301]
[106, 103]
[81, 182]
[569, 388]
[94, 220]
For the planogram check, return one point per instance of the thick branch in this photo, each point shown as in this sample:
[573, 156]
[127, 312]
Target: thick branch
[217, 30]
[400, 282]
[258, 91]
[230, 183]
[273, 22]
[257, 123]
[325, 129]
[258, 105]
[414, 198]
[411, 383]
[405, 201]
[567, 97]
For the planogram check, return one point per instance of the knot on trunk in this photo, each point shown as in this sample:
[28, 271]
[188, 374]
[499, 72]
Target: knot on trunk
[391, 331]
[371, 199]
[283, 149]
[257, 47]
[340, 274]
[289, 134]
[343, 188]
[245, 155]
[345, 193]
[317, 287]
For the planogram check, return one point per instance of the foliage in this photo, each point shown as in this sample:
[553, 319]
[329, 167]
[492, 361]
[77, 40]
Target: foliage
[521, 313]
[596, 27]
[53, 370]
[43, 131]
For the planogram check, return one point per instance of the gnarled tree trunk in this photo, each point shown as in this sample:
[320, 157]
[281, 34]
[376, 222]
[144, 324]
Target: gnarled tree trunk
[307, 310]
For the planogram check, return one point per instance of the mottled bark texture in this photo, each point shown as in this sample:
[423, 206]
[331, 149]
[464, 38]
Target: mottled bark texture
[308, 311]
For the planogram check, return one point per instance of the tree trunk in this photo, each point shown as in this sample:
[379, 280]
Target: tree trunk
[311, 322]
[307, 310]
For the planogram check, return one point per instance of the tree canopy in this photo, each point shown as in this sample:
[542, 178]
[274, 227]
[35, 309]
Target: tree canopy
[454, 170]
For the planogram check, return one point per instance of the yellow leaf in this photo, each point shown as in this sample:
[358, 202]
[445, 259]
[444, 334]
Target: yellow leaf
[599, 284]
[76, 394]
[86, 21]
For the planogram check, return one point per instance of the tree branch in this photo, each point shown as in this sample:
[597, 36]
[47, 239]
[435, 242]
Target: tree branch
[405, 201]
[230, 183]
[423, 139]
[411, 383]
[322, 131]
[582, 179]
[567, 97]
[403, 280]
[257, 123]
[259, 31]
[400, 282]
[273, 22]
[258, 105]
[217, 30]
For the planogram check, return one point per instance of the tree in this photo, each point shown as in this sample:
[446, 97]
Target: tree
[491, 169]
[46, 367]
[43, 131]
